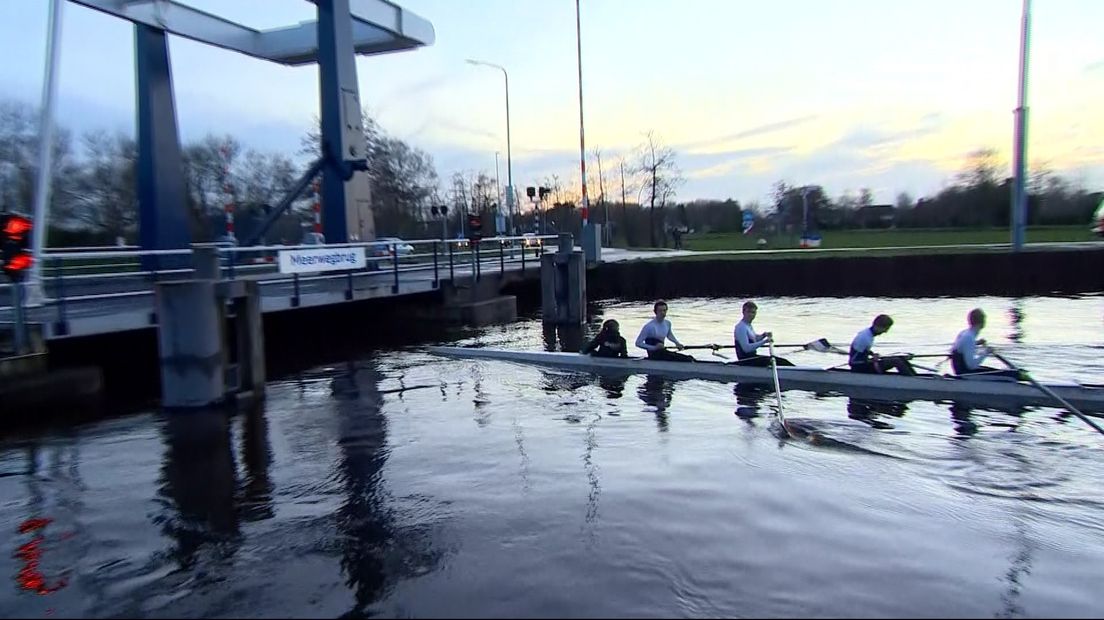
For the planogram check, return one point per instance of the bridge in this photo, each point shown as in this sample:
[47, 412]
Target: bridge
[93, 291]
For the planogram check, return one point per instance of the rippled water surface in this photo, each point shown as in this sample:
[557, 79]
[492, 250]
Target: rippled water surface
[402, 484]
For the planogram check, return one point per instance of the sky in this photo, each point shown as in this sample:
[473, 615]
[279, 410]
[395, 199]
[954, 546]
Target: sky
[847, 94]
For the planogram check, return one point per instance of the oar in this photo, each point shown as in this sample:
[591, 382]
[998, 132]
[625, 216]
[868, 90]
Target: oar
[777, 389]
[820, 344]
[1049, 392]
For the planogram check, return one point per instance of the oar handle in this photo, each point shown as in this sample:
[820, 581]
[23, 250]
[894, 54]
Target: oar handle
[709, 346]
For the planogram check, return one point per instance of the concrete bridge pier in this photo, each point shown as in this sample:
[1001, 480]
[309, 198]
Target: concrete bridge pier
[563, 285]
[210, 338]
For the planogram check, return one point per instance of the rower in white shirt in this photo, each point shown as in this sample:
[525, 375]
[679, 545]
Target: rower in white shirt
[862, 359]
[658, 331]
[747, 342]
[966, 358]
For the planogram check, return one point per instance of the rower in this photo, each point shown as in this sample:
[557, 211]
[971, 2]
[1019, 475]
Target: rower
[608, 342]
[656, 332]
[965, 357]
[862, 359]
[747, 342]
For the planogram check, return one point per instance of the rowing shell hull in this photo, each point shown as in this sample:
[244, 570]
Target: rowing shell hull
[930, 387]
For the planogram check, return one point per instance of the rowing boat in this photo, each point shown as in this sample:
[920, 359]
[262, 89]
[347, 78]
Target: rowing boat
[932, 387]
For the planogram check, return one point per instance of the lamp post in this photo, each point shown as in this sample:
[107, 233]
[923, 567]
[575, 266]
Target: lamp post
[509, 152]
[582, 140]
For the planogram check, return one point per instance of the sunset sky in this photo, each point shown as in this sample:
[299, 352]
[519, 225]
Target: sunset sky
[846, 94]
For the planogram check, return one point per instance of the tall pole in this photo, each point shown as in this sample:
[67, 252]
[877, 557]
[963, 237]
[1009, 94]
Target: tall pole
[1019, 158]
[510, 202]
[582, 138]
[498, 193]
[34, 291]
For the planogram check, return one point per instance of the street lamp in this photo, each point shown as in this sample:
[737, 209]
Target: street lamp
[509, 158]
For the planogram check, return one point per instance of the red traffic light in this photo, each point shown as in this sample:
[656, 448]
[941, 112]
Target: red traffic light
[15, 245]
[16, 227]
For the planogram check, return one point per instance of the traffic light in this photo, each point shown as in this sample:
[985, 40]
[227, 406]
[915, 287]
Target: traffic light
[15, 245]
[475, 226]
[531, 191]
[543, 191]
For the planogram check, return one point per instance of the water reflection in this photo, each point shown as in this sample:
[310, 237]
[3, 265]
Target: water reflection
[256, 451]
[657, 392]
[563, 337]
[966, 424]
[871, 411]
[376, 550]
[42, 541]
[750, 397]
[197, 485]
[614, 385]
[1016, 320]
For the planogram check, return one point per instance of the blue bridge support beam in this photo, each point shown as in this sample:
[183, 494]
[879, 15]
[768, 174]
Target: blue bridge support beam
[162, 208]
[346, 206]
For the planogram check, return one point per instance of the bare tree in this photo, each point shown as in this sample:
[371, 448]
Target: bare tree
[659, 174]
[106, 189]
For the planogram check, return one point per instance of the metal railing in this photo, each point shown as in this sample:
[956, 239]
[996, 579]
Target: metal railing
[102, 275]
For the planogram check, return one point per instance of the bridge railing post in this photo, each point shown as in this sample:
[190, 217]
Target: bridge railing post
[452, 271]
[436, 278]
[61, 328]
[395, 269]
[501, 257]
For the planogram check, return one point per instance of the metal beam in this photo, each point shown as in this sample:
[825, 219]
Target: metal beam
[378, 27]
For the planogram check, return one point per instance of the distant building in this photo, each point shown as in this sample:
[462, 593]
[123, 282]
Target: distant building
[876, 216]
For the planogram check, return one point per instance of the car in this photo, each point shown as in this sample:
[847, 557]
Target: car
[1098, 217]
[531, 240]
[380, 250]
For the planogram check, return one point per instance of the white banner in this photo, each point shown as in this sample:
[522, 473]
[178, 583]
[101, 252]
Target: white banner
[311, 261]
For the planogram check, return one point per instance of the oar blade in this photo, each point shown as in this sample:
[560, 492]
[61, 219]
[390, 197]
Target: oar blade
[820, 345]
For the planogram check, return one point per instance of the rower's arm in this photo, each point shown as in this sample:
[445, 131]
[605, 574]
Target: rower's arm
[640, 340]
[671, 337]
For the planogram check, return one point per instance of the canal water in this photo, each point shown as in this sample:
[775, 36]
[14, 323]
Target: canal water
[396, 483]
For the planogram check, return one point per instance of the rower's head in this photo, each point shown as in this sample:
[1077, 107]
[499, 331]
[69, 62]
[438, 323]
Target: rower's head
[660, 309]
[750, 310]
[611, 327]
[881, 324]
[976, 318]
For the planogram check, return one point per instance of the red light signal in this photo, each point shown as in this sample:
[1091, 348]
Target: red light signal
[15, 245]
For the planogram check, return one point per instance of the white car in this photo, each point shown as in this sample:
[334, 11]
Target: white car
[402, 248]
[531, 240]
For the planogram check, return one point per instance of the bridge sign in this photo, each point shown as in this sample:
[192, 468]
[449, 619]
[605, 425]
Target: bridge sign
[329, 259]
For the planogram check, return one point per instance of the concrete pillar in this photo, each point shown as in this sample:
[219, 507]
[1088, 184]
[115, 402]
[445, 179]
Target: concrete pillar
[251, 341]
[563, 285]
[190, 339]
[205, 261]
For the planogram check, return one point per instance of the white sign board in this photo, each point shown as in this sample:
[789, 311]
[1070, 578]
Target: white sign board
[312, 261]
